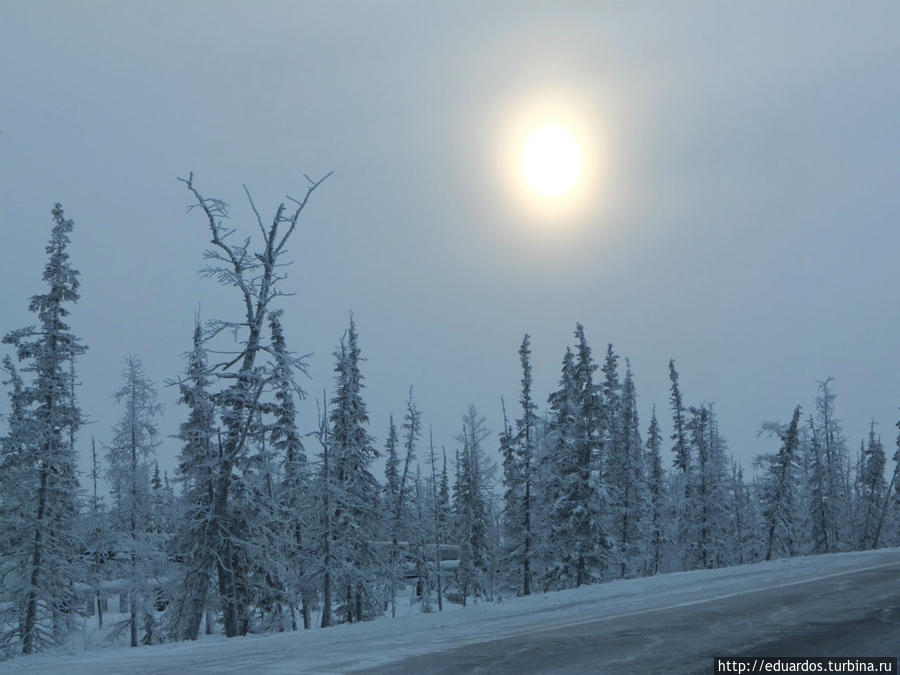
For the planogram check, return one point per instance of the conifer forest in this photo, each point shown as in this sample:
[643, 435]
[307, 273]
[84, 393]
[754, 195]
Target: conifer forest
[274, 518]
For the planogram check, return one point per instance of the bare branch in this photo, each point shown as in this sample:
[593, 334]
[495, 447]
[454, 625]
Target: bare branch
[300, 206]
[255, 211]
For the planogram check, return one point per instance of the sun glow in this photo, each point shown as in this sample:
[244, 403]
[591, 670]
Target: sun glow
[551, 160]
[552, 151]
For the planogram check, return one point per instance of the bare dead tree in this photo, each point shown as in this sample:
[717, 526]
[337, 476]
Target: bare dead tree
[255, 275]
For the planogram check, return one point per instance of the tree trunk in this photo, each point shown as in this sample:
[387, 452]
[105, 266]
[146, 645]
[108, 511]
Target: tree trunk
[30, 622]
[227, 592]
[305, 611]
[349, 604]
[326, 599]
[132, 618]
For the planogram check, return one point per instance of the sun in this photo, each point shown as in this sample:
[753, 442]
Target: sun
[551, 160]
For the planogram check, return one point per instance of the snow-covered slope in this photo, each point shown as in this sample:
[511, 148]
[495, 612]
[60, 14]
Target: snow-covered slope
[377, 643]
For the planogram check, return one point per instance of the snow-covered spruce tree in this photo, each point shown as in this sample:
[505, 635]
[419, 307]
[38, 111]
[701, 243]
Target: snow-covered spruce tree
[575, 542]
[471, 508]
[17, 482]
[541, 501]
[607, 461]
[512, 505]
[40, 565]
[681, 481]
[140, 556]
[255, 276]
[592, 544]
[525, 449]
[628, 490]
[445, 506]
[260, 564]
[390, 495]
[821, 518]
[294, 490]
[682, 460]
[778, 485]
[890, 508]
[417, 542]
[323, 491]
[561, 482]
[872, 489]
[706, 511]
[609, 404]
[519, 475]
[656, 496]
[741, 518]
[438, 515]
[830, 492]
[391, 470]
[355, 507]
[197, 465]
[716, 476]
[401, 508]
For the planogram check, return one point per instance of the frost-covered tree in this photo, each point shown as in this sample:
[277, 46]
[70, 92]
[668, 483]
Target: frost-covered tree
[402, 498]
[135, 439]
[355, 507]
[518, 470]
[39, 566]
[244, 377]
[294, 497]
[561, 482]
[821, 510]
[705, 514]
[326, 534]
[873, 489]
[97, 537]
[195, 539]
[741, 508]
[445, 506]
[829, 488]
[592, 544]
[681, 481]
[417, 541]
[625, 478]
[575, 542]
[656, 490]
[163, 508]
[891, 501]
[778, 485]
[608, 404]
[391, 467]
[471, 508]
[438, 516]
[512, 501]
[681, 449]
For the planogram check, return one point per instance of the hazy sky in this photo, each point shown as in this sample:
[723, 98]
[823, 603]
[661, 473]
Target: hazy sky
[738, 210]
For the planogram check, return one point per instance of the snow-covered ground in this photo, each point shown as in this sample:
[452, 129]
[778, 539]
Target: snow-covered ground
[377, 643]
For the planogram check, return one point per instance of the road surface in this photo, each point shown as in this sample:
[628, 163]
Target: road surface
[853, 613]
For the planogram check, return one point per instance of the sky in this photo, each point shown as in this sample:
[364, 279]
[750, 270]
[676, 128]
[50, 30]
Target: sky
[737, 210]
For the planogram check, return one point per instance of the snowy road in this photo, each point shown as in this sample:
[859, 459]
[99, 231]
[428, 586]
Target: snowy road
[849, 614]
[833, 605]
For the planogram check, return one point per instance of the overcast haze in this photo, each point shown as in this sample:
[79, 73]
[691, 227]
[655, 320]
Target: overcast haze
[740, 217]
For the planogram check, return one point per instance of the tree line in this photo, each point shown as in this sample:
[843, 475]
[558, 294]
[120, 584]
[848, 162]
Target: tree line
[273, 523]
